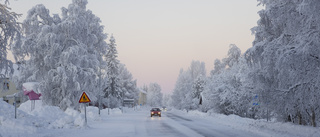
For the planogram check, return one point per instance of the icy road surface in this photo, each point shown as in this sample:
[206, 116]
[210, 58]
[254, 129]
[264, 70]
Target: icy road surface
[50, 121]
[140, 124]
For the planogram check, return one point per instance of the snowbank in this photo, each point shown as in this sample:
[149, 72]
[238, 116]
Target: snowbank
[10, 125]
[44, 117]
[261, 127]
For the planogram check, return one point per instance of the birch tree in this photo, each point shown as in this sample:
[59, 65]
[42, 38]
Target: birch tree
[9, 31]
[62, 53]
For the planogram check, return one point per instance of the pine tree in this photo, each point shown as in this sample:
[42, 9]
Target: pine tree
[129, 86]
[112, 91]
[198, 88]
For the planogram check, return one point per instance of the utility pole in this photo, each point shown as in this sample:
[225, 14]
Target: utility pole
[100, 85]
[267, 107]
[108, 101]
[122, 102]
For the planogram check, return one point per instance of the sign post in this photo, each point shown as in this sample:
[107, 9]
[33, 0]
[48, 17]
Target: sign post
[84, 99]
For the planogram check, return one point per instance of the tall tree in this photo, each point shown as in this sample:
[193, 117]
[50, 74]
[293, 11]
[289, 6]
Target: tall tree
[184, 96]
[113, 91]
[234, 54]
[128, 85]
[228, 90]
[166, 100]
[154, 95]
[285, 56]
[63, 53]
[181, 90]
[198, 88]
[218, 67]
[9, 31]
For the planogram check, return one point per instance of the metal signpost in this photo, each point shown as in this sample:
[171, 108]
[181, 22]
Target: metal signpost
[84, 99]
[255, 101]
[15, 102]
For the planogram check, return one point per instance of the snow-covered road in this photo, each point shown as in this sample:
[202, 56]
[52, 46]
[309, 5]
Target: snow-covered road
[209, 128]
[134, 123]
[140, 124]
[51, 122]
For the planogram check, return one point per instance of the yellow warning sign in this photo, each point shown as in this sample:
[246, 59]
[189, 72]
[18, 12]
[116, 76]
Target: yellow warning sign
[84, 98]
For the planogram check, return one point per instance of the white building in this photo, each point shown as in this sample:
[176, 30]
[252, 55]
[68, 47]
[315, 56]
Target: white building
[8, 88]
[142, 97]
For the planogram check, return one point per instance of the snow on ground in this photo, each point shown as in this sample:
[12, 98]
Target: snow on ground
[43, 118]
[52, 121]
[261, 127]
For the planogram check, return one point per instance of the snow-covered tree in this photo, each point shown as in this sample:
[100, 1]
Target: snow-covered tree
[182, 87]
[234, 54]
[128, 85]
[112, 90]
[9, 31]
[218, 67]
[63, 54]
[144, 87]
[166, 101]
[285, 58]
[229, 90]
[198, 87]
[154, 95]
[197, 69]
[184, 95]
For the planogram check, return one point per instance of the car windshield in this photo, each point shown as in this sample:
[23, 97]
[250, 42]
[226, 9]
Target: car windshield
[155, 109]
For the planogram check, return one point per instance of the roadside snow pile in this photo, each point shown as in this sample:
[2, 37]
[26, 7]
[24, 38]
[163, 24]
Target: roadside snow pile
[264, 127]
[115, 111]
[44, 117]
[197, 113]
[51, 116]
[261, 126]
[9, 125]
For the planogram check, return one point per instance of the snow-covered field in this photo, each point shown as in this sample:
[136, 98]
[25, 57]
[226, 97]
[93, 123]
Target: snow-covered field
[51, 121]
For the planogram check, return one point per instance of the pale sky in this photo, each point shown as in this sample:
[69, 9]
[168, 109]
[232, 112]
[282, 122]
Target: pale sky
[156, 38]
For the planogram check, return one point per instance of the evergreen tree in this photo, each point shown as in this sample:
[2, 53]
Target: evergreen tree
[128, 85]
[113, 92]
[198, 87]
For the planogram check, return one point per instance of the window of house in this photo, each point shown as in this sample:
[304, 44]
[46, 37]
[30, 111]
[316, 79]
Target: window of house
[5, 86]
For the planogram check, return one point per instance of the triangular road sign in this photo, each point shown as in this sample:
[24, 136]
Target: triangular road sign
[84, 98]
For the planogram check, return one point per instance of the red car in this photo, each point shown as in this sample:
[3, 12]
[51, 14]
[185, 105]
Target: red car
[155, 112]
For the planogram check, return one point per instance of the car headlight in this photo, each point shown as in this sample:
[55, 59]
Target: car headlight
[152, 113]
[159, 113]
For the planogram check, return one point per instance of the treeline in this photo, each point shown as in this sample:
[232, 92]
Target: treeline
[69, 54]
[278, 77]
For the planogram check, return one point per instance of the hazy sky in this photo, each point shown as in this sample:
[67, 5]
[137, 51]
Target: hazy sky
[156, 38]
